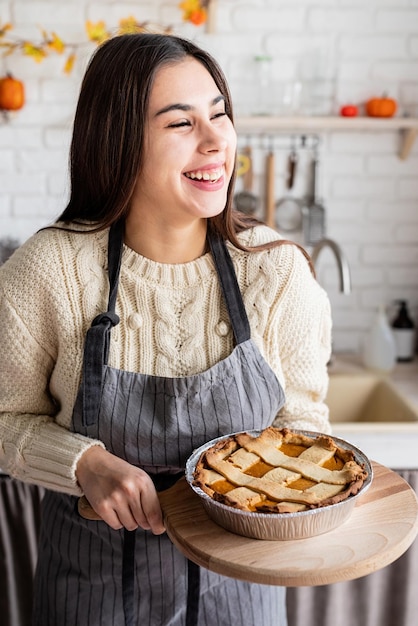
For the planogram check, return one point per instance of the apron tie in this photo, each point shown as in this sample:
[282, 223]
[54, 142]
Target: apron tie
[128, 576]
[96, 350]
[193, 593]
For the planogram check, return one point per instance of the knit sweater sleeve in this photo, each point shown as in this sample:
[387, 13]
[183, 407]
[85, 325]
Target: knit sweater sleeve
[34, 446]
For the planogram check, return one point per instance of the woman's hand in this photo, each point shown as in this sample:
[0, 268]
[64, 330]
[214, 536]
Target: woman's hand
[122, 494]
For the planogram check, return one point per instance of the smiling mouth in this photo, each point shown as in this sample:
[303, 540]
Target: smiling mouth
[211, 176]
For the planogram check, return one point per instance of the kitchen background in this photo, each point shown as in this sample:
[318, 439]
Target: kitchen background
[349, 50]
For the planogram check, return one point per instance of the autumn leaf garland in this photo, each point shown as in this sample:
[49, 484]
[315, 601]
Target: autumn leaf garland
[194, 11]
[97, 32]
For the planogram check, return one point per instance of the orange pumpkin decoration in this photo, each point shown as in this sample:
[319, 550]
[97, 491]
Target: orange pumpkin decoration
[12, 93]
[381, 107]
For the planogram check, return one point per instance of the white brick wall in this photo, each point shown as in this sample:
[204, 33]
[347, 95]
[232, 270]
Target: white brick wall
[370, 195]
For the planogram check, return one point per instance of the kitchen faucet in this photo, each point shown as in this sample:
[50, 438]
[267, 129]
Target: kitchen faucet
[342, 263]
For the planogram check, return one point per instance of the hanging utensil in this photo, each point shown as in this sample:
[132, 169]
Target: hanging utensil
[270, 174]
[313, 212]
[289, 209]
[245, 200]
[243, 164]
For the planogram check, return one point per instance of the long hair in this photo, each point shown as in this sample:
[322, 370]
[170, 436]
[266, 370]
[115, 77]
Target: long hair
[107, 147]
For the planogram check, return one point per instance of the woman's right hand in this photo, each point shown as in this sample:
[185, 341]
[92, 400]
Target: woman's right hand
[123, 495]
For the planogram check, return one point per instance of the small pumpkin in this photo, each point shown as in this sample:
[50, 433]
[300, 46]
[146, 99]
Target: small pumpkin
[349, 110]
[12, 93]
[381, 107]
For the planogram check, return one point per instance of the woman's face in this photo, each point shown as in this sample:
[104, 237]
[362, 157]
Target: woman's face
[189, 147]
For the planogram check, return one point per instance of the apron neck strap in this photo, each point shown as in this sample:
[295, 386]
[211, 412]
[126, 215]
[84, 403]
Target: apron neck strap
[229, 286]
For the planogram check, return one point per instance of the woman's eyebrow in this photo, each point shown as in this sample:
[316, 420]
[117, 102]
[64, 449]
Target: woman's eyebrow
[178, 106]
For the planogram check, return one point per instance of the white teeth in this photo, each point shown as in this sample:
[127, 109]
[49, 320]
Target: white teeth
[212, 175]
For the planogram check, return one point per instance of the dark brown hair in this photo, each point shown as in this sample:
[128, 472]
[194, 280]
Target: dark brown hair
[107, 147]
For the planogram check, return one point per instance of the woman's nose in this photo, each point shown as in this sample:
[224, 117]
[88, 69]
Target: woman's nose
[213, 139]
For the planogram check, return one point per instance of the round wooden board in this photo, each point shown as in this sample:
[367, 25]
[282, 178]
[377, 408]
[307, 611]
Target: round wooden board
[382, 526]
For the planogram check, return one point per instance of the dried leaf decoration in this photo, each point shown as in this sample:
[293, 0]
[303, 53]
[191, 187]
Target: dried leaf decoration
[4, 28]
[194, 11]
[69, 63]
[128, 26]
[56, 44]
[97, 32]
[37, 53]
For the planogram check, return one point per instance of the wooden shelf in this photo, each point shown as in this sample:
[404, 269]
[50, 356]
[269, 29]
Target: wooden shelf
[407, 126]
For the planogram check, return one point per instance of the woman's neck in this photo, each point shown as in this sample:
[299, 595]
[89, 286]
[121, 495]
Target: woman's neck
[167, 244]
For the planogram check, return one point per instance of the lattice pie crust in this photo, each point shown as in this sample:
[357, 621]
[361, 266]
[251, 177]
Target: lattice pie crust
[279, 471]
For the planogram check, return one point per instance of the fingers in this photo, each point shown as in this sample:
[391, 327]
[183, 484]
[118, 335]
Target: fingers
[124, 496]
[149, 515]
[140, 508]
[127, 519]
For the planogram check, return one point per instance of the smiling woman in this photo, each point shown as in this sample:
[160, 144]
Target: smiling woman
[150, 319]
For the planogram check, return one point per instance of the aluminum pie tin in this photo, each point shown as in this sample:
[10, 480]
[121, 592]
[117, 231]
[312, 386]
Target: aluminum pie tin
[279, 526]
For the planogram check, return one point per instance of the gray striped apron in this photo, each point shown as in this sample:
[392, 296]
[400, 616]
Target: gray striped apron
[91, 575]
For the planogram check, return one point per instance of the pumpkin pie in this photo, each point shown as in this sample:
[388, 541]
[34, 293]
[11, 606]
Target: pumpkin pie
[279, 471]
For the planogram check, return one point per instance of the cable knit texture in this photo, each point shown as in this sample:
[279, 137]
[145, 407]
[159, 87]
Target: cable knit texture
[173, 323]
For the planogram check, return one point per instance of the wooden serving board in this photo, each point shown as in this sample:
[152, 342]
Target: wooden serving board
[382, 526]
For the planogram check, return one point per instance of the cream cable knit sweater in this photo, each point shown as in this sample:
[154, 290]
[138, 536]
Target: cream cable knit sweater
[173, 323]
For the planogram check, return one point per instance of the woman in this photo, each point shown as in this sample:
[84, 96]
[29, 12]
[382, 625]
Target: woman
[128, 325]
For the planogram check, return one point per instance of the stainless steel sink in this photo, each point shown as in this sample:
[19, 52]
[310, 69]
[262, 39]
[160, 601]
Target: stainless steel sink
[367, 398]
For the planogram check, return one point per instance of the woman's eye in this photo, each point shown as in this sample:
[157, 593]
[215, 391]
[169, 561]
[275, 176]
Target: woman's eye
[179, 124]
[183, 123]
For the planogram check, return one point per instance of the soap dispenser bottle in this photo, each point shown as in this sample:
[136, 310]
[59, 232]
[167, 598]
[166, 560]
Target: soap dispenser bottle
[404, 333]
[380, 348]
